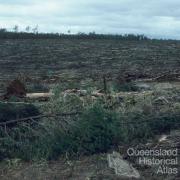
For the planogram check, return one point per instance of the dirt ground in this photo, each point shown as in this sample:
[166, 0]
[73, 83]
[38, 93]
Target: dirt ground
[47, 62]
[44, 63]
[93, 167]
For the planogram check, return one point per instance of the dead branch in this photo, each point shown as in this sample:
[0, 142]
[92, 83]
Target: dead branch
[38, 117]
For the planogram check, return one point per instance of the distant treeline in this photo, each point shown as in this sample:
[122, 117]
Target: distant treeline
[4, 34]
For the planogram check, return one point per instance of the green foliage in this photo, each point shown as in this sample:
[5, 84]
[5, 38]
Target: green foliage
[13, 136]
[125, 87]
[97, 130]
[14, 111]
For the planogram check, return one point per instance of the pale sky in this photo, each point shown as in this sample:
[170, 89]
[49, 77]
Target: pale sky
[154, 18]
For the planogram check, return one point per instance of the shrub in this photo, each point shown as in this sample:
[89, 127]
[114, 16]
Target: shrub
[14, 111]
[14, 135]
[125, 87]
[97, 130]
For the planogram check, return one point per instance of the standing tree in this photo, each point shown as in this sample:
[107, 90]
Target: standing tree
[16, 28]
[3, 30]
[35, 30]
[27, 29]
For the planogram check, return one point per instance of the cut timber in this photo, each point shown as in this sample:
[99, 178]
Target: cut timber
[39, 96]
[46, 96]
[76, 91]
[122, 94]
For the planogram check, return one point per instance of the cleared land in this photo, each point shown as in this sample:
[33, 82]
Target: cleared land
[128, 93]
[52, 61]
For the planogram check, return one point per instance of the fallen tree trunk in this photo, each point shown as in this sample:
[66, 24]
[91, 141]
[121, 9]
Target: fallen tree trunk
[168, 77]
[83, 93]
[39, 96]
[46, 96]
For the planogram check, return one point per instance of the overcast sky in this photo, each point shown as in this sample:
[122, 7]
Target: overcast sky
[155, 18]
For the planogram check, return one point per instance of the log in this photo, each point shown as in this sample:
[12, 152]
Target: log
[95, 94]
[41, 96]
